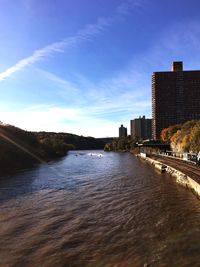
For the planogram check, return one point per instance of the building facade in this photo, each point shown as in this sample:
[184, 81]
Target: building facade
[175, 97]
[122, 131]
[141, 128]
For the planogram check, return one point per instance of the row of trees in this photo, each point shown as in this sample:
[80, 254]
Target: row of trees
[121, 144]
[183, 137]
[71, 140]
[19, 148]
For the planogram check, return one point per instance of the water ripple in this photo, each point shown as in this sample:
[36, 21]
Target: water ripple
[85, 210]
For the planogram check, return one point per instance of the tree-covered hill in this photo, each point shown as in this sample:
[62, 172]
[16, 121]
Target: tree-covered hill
[183, 137]
[20, 149]
[73, 141]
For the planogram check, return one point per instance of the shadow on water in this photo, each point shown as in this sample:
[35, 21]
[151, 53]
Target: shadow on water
[25, 181]
[16, 183]
[54, 175]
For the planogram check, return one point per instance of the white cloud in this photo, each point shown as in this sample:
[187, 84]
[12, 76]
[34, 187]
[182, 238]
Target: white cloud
[123, 92]
[98, 111]
[126, 7]
[84, 34]
[59, 119]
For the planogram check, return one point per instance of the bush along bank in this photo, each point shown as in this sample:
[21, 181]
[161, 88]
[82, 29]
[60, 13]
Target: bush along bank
[122, 144]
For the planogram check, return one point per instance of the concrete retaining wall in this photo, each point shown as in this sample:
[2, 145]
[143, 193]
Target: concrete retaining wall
[181, 178]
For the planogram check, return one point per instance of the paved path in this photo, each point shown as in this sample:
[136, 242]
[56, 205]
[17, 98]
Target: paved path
[188, 168]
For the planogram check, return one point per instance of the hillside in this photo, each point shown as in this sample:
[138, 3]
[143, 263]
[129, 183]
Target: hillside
[73, 141]
[21, 149]
[183, 137]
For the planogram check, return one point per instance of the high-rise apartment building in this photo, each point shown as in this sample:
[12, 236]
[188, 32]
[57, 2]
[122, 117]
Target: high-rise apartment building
[141, 128]
[122, 131]
[175, 97]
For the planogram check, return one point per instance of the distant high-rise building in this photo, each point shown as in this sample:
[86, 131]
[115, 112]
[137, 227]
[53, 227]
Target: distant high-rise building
[141, 128]
[175, 97]
[122, 131]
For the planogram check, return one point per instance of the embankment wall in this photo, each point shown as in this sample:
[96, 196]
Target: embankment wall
[180, 177]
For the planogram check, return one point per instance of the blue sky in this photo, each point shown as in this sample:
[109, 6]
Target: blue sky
[85, 66]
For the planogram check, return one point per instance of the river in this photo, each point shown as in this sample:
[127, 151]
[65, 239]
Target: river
[90, 210]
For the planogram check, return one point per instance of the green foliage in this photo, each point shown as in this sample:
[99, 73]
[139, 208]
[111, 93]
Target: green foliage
[53, 147]
[121, 144]
[73, 141]
[19, 148]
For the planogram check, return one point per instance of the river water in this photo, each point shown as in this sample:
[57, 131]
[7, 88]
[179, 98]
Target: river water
[92, 210]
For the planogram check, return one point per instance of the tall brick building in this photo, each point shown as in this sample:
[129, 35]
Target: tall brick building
[141, 128]
[122, 131]
[175, 97]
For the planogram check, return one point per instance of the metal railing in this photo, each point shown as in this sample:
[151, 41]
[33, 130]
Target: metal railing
[189, 157]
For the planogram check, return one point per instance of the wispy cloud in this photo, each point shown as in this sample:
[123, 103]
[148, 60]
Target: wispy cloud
[124, 93]
[77, 120]
[82, 35]
[86, 107]
[179, 41]
[128, 5]
[62, 120]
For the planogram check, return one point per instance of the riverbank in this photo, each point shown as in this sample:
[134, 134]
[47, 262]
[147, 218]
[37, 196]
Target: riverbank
[184, 173]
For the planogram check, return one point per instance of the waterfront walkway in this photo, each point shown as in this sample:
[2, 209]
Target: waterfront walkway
[185, 167]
